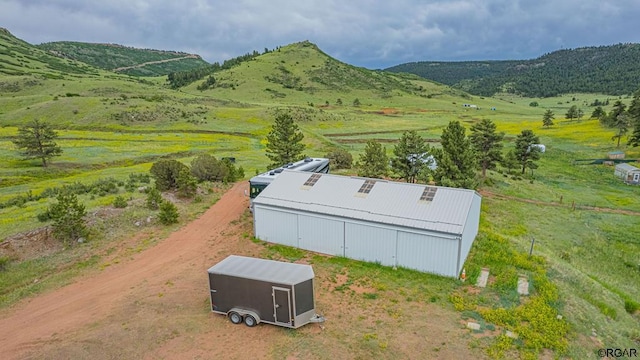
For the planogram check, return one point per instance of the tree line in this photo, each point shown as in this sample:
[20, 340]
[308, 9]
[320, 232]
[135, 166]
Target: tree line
[603, 69]
[455, 164]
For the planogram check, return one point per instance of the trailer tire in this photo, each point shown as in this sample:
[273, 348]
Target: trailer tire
[235, 317]
[250, 321]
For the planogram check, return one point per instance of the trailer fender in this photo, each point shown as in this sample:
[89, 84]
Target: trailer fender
[244, 313]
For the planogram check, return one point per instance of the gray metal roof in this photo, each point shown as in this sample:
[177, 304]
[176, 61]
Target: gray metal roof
[263, 270]
[626, 167]
[388, 202]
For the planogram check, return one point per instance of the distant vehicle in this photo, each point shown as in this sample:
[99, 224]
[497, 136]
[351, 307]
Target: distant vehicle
[261, 181]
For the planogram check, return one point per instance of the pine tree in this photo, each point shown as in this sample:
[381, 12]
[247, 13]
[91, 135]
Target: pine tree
[68, 217]
[524, 150]
[168, 213]
[38, 141]
[547, 118]
[374, 162]
[634, 115]
[487, 144]
[410, 156]
[622, 124]
[572, 113]
[456, 160]
[284, 141]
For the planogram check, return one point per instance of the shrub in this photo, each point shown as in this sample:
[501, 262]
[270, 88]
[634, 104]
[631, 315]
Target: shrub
[168, 213]
[166, 173]
[120, 202]
[4, 262]
[207, 168]
[233, 173]
[154, 199]
[67, 215]
[340, 159]
[631, 306]
[187, 184]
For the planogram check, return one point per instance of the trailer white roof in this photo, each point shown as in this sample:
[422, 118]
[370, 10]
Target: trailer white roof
[263, 270]
[433, 208]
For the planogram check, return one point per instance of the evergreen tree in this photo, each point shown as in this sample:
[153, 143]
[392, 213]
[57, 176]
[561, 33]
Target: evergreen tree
[572, 113]
[68, 217]
[634, 115]
[547, 118]
[284, 141]
[168, 213]
[187, 183]
[524, 150]
[38, 141]
[410, 156]
[611, 119]
[456, 160]
[487, 144]
[166, 173]
[622, 124]
[510, 161]
[206, 167]
[374, 162]
[154, 199]
[598, 113]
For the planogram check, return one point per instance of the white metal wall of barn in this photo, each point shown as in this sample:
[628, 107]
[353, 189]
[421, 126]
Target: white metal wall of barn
[290, 223]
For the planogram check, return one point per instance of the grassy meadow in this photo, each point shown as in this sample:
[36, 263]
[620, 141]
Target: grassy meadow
[584, 271]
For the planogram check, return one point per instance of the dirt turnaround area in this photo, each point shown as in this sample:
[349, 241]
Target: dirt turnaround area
[154, 304]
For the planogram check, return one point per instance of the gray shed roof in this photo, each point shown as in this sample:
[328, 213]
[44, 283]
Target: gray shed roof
[263, 270]
[387, 202]
[626, 167]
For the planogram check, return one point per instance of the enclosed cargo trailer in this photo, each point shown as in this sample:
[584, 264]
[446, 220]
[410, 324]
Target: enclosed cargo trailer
[253, 290]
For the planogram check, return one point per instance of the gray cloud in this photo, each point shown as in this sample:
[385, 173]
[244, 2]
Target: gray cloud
[361, 32]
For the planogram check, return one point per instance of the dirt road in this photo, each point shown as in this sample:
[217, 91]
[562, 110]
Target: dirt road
[69, 322]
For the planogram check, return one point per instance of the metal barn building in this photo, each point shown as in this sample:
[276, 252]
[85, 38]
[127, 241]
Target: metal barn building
[426, 228]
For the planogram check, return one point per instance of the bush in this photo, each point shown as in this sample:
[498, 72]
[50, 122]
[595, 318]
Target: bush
[187, 184]
[207, 168]
[168, 213]
[166, 173]
[120, 202]
[4, 262]
[233, 173]
[631, 306]
[340, 159]
[67, 215]
[154, 199]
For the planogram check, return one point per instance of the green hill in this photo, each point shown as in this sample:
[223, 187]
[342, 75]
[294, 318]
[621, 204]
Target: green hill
[17, 57]
[113, 126]
[123, 59]
[613, 70]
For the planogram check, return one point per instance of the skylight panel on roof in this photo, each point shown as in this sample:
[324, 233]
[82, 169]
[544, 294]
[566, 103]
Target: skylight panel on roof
[367, 186]
[312, 180]
[428, 193]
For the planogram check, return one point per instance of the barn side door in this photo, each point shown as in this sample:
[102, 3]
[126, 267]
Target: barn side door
[281, 305]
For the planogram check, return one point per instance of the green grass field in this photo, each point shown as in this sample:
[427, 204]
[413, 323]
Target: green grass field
[113, 126]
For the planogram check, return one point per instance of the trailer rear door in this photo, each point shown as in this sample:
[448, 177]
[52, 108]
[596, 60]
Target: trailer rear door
[282, 305]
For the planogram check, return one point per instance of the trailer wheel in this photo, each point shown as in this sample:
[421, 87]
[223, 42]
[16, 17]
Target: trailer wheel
[250, 321]
[235, 317]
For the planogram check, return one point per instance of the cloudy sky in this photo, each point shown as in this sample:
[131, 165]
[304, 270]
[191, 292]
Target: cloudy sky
[373, 34]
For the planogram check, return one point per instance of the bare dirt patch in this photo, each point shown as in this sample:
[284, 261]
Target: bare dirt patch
[155, 304]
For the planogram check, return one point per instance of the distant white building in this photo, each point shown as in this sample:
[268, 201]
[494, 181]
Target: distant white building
[628, 173]
[426, 228]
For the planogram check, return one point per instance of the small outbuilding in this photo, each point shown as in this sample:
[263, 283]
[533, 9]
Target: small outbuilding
[426, 228]
[628, 173]
[253, 290]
